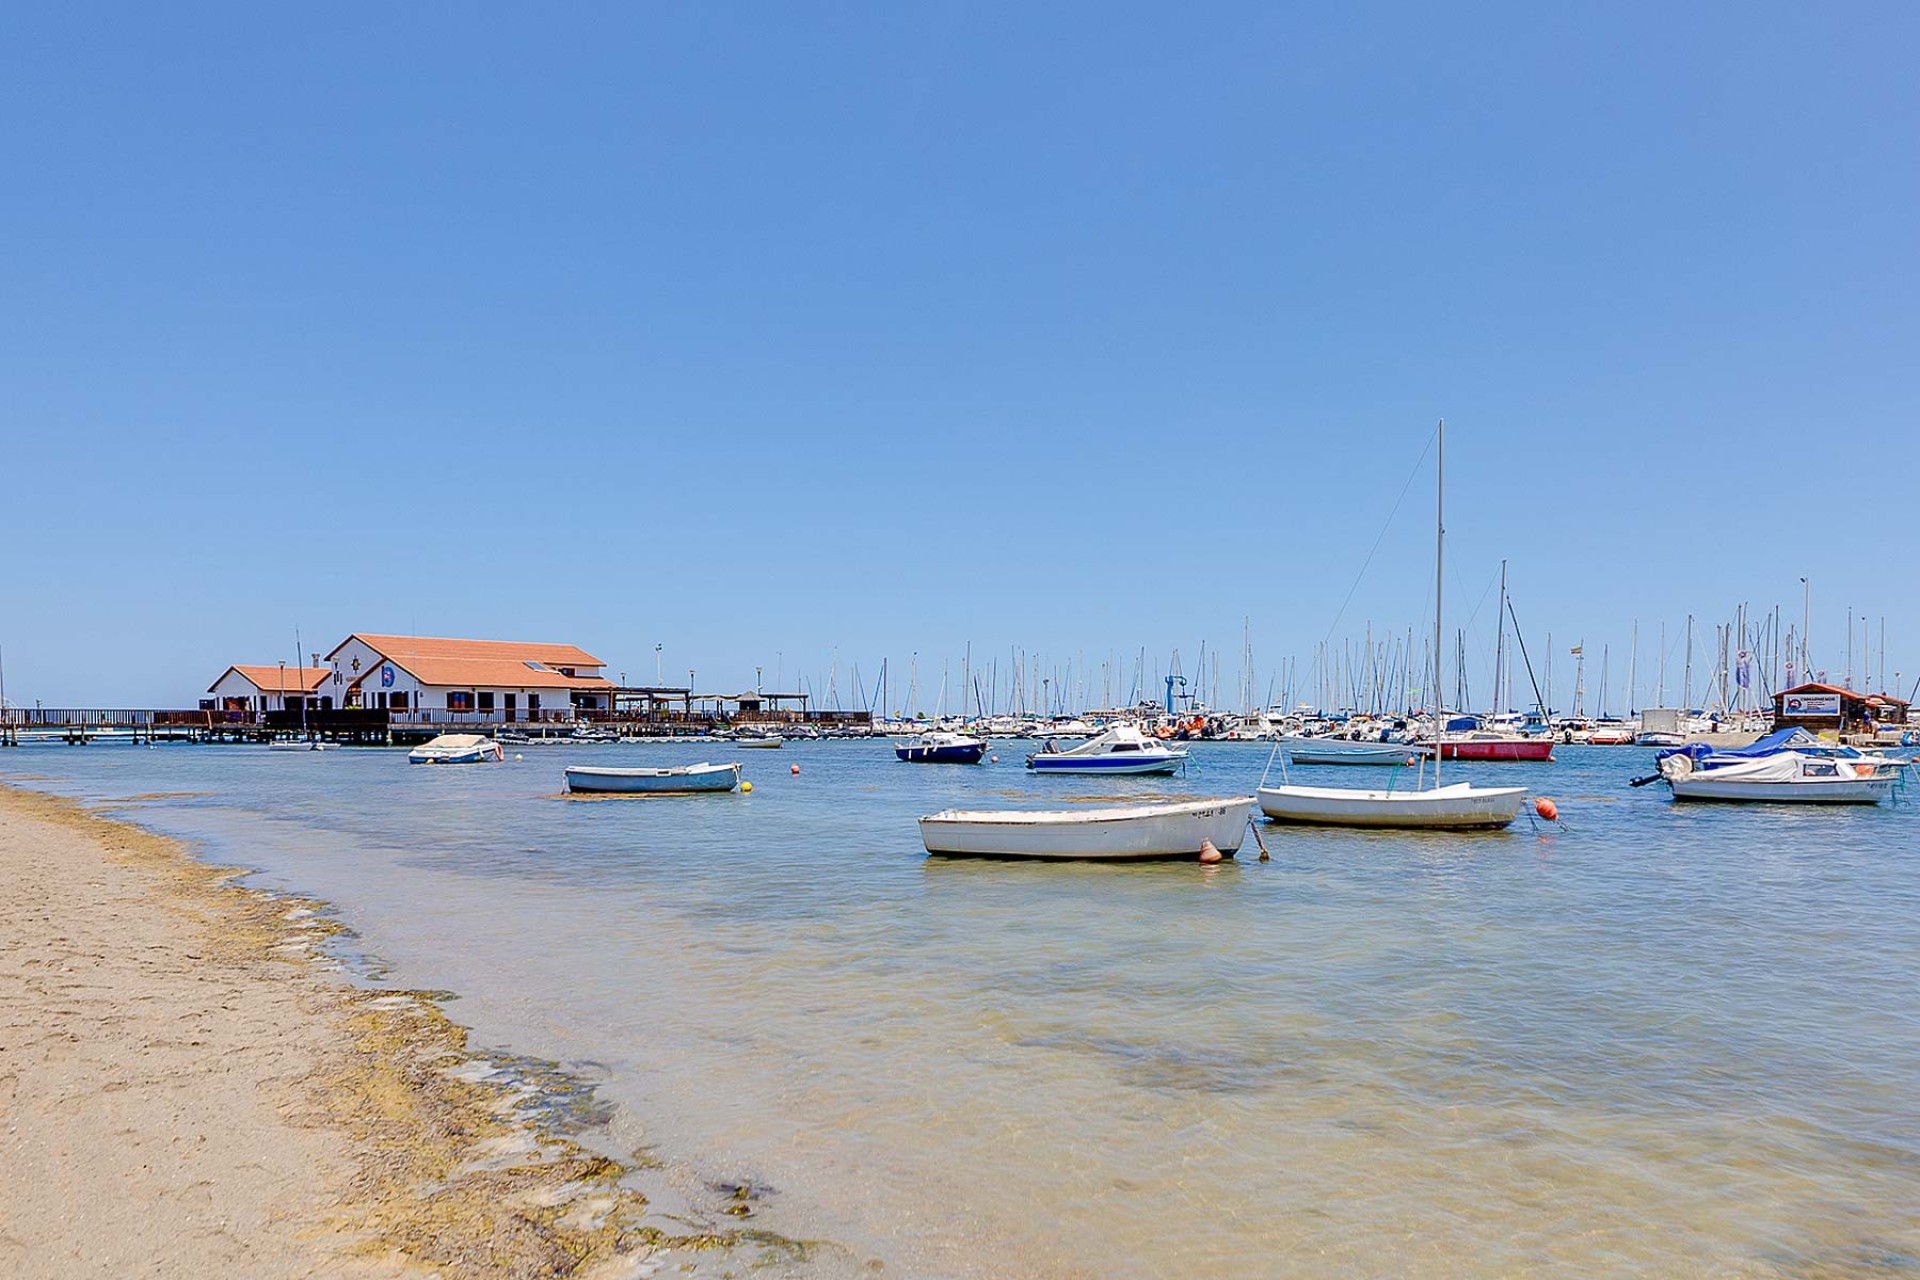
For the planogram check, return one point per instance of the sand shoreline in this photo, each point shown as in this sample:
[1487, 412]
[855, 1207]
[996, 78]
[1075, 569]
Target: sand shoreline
[187, 1086]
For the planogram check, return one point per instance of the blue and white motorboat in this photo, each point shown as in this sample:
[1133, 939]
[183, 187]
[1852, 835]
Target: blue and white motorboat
[1790, 766]
[940, 747]
[1122, 749]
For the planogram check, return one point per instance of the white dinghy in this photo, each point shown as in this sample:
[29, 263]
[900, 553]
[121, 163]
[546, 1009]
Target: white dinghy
[680, 780]
[1460, 807]
[1128, 833]
[457, 748]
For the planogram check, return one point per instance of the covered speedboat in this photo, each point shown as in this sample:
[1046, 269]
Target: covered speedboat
[1790, 766]
[457, 748]
[1122, 749]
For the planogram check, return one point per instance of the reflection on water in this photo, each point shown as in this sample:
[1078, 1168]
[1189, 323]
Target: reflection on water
[1660, 1039]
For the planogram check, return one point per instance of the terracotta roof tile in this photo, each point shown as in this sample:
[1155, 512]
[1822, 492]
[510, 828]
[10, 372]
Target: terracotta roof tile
[427, 647]
[276, 678]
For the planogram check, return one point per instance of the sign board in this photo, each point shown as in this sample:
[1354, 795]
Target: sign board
[1811, 704]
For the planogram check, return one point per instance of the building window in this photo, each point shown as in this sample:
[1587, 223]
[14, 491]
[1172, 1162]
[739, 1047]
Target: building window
[460, 701]
[533, 702]
[397, 701]
[486, 700]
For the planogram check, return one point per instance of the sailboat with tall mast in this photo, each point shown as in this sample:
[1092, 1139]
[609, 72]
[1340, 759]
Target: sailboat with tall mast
[1460, 807]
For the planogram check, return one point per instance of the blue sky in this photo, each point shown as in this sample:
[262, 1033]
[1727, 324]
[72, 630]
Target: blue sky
[763, 332]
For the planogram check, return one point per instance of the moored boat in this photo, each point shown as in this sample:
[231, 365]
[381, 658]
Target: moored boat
[1460, 807]
[457, 748]
[1139, 832]
[1122, 750]
[939, 747]
[1344, 751]
[758, 741]
[685, 779]
[1787, 767]
[1494, 746]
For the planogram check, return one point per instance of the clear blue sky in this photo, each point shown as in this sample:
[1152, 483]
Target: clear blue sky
[757, 331]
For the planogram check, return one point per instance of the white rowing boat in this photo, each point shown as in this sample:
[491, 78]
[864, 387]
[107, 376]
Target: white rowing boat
[684, 779]
[1460, 807]
[1131, 832]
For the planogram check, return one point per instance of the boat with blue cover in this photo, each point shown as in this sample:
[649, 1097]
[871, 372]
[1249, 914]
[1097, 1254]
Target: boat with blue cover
[940, 747]
[1789, 766]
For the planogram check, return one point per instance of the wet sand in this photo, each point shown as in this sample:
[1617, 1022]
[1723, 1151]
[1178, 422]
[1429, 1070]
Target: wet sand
[188, 1087]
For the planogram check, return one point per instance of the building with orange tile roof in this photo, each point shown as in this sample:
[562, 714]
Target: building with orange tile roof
[275, 688]
[487, 681]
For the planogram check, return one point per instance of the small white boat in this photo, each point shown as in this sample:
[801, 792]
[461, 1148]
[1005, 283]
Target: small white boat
[1346, 751]
[1460, 807]
[685, 779]
[315, 745]
[1122, 749]
[457, 748]
[1132, 832]
[758, 742]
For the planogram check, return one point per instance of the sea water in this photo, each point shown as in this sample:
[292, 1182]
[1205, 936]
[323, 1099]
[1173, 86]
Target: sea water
[1653, 1039]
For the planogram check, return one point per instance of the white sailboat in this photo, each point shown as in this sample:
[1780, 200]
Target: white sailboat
[1462, 806]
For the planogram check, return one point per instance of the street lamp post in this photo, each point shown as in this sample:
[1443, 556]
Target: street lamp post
[656, 666]
[1806, 624]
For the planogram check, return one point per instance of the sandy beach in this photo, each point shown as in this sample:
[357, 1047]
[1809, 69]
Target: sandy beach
[188, 1087]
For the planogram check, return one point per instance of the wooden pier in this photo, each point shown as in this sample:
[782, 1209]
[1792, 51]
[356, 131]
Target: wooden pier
[77, 726]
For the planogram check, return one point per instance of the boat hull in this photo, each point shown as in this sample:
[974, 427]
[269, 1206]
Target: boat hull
[1495, 749]
[1339, 751]
[1122, 766]
[685, 780]
[1729, 790]
[965, 754]
[1132, 833]
[491, 753]
[1461, 807]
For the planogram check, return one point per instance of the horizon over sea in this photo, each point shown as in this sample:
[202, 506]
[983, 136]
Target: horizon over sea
[1655, 1039]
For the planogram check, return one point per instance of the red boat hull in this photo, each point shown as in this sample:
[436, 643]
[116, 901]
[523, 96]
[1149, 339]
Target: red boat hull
[1497, 749]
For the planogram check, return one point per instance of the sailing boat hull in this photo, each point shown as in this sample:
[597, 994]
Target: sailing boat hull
[1461, 807]
[1342, 751]
[1495, 749]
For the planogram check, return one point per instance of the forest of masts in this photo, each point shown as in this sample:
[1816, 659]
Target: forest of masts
[1724, 668]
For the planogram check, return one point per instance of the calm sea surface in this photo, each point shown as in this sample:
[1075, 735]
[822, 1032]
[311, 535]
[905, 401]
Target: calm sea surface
[1660, 1041]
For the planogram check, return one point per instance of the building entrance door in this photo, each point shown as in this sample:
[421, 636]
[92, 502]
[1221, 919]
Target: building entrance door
[507, 708]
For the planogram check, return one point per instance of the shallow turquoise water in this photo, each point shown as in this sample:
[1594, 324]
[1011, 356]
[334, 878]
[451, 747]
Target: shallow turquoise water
[1660, 1040]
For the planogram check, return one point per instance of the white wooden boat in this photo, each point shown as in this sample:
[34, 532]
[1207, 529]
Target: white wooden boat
[1122, 749]
[297, 745]
[685, 779]
[1133, 832]
[1346, 751]
[457, 748]
[758, 742]
[1460, 807]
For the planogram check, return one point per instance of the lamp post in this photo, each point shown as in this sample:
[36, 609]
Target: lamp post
[756, 677]
[656, 666]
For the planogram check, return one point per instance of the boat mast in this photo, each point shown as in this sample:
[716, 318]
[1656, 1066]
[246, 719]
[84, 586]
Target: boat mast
[1439, 574]
[1500, 647]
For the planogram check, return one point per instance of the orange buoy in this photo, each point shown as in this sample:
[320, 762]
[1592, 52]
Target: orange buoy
[794, 768]
[1208, 853]
[996, 759]
[1546, 808]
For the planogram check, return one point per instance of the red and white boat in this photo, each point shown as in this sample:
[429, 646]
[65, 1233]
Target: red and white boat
[1493, 746]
